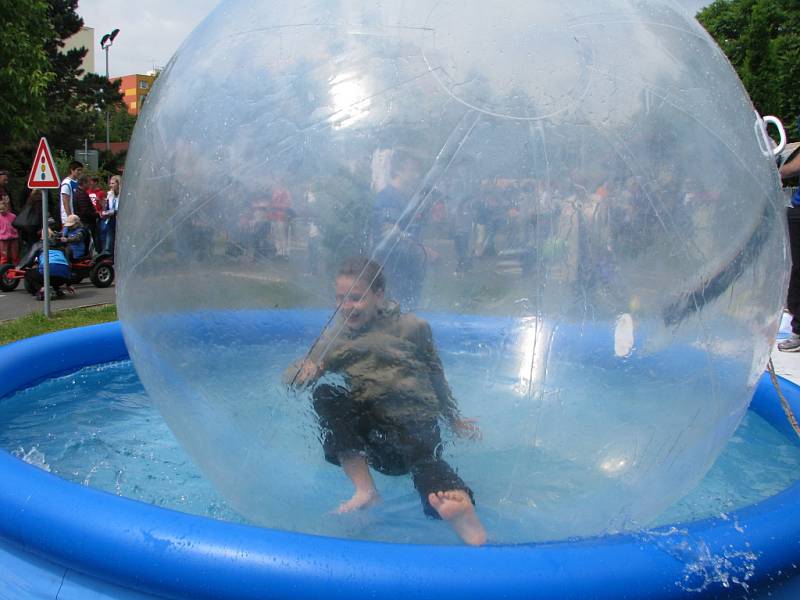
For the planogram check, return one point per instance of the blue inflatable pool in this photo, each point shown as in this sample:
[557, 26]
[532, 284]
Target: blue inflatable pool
[61, 540]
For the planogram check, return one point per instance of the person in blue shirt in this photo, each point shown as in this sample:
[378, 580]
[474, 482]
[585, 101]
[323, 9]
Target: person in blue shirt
[397, 221]
[60, 273]
[75, 237]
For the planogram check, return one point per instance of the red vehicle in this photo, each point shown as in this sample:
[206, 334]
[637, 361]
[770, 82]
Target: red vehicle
[99, 269]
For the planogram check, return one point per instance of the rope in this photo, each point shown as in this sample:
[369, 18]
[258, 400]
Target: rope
[784, 403]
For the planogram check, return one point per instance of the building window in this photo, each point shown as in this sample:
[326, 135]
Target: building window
[143, 85]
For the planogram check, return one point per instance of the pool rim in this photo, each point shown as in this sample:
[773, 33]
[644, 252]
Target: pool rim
[193, 556]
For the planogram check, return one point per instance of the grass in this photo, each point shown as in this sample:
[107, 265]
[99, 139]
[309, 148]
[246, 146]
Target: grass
[36, 323]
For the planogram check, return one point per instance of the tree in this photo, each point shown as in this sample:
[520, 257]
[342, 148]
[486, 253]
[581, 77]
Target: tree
[74, 98]
[43, 90]
[121, 124]
[25, 69]
[761, 38]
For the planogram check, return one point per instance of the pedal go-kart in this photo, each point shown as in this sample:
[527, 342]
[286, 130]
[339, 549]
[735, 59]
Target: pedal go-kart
[98, 268]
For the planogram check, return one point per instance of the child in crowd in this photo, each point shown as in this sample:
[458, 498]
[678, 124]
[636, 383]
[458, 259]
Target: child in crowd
[386, 416]
[9, 236]
[97, 194]
[75, 238]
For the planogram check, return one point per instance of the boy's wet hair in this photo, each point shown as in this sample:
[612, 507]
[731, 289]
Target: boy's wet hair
[363, 269]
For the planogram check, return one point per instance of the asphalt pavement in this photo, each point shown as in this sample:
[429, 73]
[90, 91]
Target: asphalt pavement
[20, 303]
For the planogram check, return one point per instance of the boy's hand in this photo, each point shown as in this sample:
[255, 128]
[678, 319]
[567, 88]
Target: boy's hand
[467, 428]
[308, 371]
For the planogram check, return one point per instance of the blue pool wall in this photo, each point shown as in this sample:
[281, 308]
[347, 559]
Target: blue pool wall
[62, 540]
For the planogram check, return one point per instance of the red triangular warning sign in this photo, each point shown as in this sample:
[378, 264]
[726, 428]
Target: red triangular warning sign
[43, 172]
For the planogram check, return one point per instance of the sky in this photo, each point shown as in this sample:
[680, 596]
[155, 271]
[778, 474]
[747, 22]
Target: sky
[152, 30]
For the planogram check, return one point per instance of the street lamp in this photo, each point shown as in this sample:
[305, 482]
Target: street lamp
[105, 43]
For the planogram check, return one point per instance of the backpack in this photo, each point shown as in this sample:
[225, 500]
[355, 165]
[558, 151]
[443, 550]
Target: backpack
[27, 221]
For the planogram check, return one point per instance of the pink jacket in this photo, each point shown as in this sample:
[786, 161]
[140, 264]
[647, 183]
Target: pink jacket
[7, 231]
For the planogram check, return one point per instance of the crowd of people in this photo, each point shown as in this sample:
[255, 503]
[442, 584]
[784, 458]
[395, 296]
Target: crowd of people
[80, 195]
[83, 226]
[95, 207]
[578, 229]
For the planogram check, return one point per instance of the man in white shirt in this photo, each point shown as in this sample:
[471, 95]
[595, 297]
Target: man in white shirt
[68, 187]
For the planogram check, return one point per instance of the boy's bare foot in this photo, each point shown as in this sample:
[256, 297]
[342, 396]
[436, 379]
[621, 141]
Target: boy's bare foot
[359, 500]
[456, 508]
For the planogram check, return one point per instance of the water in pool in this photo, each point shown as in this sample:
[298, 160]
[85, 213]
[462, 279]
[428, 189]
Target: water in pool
[98, 427]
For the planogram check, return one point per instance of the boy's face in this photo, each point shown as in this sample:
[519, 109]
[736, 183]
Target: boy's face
[357, 303]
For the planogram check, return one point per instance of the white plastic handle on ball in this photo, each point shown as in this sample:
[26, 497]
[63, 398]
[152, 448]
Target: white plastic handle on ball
[781, 132]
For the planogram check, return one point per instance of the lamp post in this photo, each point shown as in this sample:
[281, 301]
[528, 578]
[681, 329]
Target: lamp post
[105, 43]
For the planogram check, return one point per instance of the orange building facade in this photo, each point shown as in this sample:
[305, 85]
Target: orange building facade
[135, 89]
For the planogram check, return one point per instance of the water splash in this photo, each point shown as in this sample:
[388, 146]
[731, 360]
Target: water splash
[705, 566]
[32, 457]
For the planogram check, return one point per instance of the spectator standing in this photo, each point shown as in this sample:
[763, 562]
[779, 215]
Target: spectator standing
[481, 220]
[29, 221]
[279, 212]
[67, 190]
[260, 229]
[84, 208]
[108, 222]
[9, 237]
[4, 195]
[787, 171]
[397, 230]
[314, 233]
[461, 232]
[97, 194]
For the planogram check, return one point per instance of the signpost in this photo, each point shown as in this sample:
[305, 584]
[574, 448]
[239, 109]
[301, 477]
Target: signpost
[43, 176]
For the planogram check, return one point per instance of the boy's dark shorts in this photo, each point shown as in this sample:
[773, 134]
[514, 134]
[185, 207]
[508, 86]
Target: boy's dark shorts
[391, 446]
